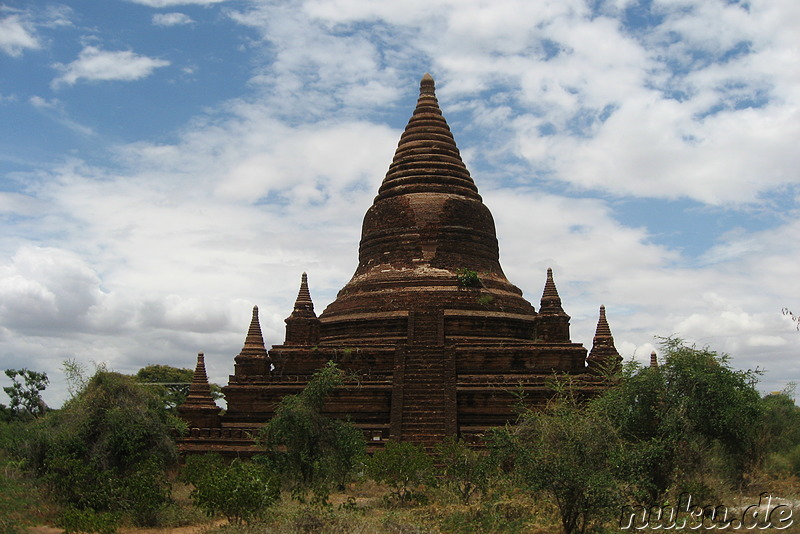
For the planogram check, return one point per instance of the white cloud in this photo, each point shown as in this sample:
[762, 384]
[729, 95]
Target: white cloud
[47, 290]
[174, 3]
[168, 255]
[171, 19]
[94, 64]
[18, 204]
[17, 35]
[54, 110]
[591, 102]
[42, 103]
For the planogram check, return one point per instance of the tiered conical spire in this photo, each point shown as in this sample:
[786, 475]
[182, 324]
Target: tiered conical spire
[603, 331]
[604, 355]
[254, 342]
[427, 224]
[199, 390]
[303, 306]
[427, 158]
[302, 326]
[551, 301]
[253, 358]
[199, 409]
[553, 321]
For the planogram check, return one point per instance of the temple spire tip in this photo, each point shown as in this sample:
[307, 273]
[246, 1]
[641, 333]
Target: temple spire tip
[427, 85]
[254, 339]
[303, 305]
[550, 297]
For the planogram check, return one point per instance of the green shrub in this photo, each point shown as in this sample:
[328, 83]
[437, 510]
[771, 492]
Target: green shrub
[107, 449]
[74, 520]
[313, 453]
[464, 470]
[239, 490]
[25, 394]
[403, 467]
[467, 278]
[571, 453]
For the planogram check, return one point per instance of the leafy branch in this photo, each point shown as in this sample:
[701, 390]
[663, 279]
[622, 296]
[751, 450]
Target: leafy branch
[795, 319]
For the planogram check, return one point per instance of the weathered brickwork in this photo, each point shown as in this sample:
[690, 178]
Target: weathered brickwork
[441, 342]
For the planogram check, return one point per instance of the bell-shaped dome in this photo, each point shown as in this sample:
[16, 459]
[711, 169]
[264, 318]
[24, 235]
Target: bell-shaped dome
[428, 241]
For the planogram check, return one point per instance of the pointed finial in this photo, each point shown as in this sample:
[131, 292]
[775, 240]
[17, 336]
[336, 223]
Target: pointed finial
[551, 301]
[550, 285]
[602, 324]
[254, 339]
[604, 354]
[200, 375]
[427, 85]
[303, 306]
[199, 395]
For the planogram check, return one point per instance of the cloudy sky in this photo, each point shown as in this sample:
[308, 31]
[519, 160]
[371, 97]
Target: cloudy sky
[167, 164]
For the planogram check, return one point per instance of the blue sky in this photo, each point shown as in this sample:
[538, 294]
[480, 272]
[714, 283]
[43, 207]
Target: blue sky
[167, 164]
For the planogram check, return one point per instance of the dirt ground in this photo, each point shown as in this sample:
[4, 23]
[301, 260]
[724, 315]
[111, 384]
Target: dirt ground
[191, 529]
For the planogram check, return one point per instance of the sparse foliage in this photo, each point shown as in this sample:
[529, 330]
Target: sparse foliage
[467, 278]
[25, 392]
[403, 467]
[570, 451]
[795, 319]
[463, 469]
[75, 373]
[170, 383]
[312, 451]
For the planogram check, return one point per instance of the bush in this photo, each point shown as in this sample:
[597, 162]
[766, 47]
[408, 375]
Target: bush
[571, 452]
[74, 520]
[693, 417]
[468, 278]
[464, 470]
[107, 449]
[239, 490]
[403, 467]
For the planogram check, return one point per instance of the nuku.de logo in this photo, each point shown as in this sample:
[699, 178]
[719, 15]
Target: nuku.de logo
[685, 515]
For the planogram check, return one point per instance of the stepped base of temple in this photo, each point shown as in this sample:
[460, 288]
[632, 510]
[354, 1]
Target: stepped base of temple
[419, 393]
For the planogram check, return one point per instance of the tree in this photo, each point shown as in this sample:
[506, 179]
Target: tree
[25, 392]
[403, 466]
[170, 383]
[313, 452]
[107, 449]
[463, 469]
[692, 408]
[75, 373]
[781, 436]
[795, 319]
[571, 451]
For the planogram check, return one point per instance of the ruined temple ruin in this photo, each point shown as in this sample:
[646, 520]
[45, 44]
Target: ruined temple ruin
[441, 342]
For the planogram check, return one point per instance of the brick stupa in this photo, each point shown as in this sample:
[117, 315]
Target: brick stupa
[441, 342]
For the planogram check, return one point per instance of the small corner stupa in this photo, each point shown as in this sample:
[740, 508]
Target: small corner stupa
[441, 342]
[199, 409]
